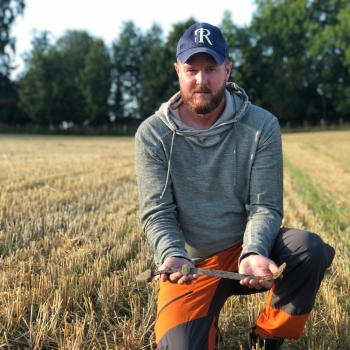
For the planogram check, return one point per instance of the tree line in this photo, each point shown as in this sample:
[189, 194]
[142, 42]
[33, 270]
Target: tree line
[293, 59]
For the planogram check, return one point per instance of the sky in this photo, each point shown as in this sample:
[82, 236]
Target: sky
[104, 18]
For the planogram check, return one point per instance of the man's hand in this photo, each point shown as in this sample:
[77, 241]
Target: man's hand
[257, 265]
[177, 277]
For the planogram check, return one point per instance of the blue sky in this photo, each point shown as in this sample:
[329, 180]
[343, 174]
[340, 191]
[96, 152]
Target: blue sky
[104, 18]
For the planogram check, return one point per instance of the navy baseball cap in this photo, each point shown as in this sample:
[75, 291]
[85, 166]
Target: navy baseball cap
[202, 37]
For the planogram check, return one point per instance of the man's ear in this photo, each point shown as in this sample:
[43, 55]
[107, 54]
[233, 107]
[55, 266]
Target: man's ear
[177, 68]
[228, 70]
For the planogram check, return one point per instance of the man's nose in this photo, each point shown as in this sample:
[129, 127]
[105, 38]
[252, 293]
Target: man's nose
[201, 78]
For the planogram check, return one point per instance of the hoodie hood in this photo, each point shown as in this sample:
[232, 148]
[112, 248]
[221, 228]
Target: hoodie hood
[236, 106]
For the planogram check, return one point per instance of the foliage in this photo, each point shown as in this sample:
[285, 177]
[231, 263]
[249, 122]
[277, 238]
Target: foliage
[303, 56]
[94, 81]
[38, 88]
[293, 60]
[331, 54]
[9, 10]
[68, 81]
[129, 52]
[289, 90]
[9, 112]
[158, 76]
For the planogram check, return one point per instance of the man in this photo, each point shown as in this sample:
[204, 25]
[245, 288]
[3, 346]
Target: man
[209, 173]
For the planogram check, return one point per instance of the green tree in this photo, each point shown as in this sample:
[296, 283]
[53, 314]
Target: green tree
[130, 53]
[127, 58]
[39, 85]
[153, 79]
[9, 10]
[94, 82]
[249, 70]
[302, 45]
[330, 51]
[72, 49]
[9, 112]
[282, 32]
[49, 90]
[158, 77]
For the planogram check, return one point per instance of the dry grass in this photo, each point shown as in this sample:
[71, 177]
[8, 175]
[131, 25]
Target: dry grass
[325, 158]
[71, 246]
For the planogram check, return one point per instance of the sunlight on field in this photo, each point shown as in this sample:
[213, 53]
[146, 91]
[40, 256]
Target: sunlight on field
[317, 198]
[326, 158]
[71, 244]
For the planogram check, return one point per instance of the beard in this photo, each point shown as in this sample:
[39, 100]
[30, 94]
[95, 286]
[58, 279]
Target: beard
[202, 107]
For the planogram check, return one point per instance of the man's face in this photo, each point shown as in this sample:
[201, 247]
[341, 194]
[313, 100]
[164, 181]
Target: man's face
[202, 82]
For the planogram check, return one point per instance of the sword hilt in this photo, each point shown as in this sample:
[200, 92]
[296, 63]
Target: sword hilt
[147, 275]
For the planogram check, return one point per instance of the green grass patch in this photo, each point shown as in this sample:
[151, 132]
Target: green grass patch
[319, 200]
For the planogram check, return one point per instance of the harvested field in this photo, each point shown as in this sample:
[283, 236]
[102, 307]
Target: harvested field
[71, 244]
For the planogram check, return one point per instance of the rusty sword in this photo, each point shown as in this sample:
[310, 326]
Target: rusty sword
[147, 275]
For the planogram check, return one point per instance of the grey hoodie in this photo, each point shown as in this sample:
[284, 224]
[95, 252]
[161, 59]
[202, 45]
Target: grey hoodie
[204, 191]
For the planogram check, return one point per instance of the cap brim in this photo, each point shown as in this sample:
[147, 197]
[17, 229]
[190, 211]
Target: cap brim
[184, 56]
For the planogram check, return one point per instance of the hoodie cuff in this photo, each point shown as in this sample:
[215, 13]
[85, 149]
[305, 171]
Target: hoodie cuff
[173, 253]
[252, 249]
[184, 257]
[244, 256]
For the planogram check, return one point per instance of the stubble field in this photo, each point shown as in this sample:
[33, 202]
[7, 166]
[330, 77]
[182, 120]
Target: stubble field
[71, 244]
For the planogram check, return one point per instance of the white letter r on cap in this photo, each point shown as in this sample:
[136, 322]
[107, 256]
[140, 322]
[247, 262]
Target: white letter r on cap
[202, 35]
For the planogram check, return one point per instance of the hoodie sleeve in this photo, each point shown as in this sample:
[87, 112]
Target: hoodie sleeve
[265, 207]
[158, 213]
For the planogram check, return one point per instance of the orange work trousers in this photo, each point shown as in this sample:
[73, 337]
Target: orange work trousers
[188, 315]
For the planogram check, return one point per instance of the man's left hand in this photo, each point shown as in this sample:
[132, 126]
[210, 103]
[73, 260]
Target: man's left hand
[257, 265]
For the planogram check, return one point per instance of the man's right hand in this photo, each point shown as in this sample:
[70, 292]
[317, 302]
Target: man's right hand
[177, 277]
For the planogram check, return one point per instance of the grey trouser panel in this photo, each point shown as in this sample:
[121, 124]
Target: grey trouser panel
[307, 258]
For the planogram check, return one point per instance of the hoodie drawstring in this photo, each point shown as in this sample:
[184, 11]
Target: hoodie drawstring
[169, 164]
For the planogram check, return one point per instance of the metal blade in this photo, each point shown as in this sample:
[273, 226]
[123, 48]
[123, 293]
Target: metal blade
[147, 275]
